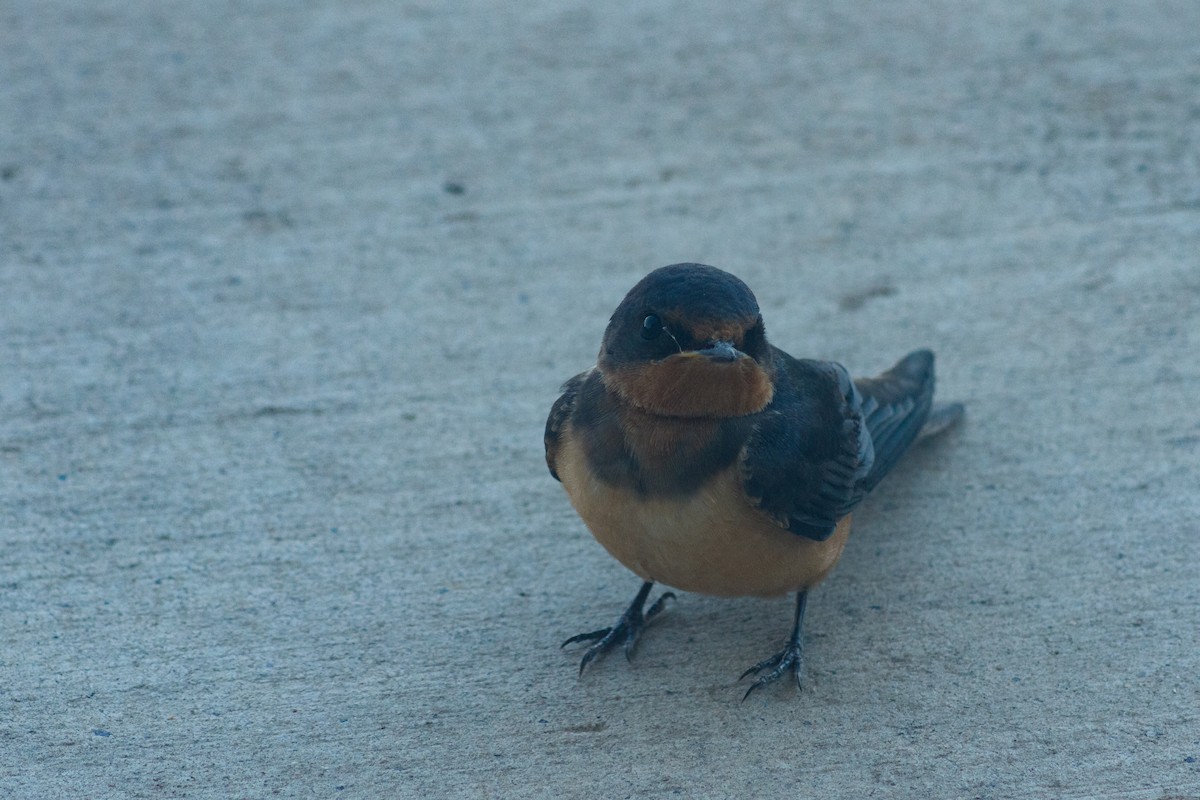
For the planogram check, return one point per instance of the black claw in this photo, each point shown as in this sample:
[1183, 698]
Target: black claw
[659, 605]
[791, 657]
[630, 644]
[760, 666]
[627, 630]
[586, 637]
[599, 647]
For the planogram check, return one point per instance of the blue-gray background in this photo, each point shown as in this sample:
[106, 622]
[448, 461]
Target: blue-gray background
[286, 290]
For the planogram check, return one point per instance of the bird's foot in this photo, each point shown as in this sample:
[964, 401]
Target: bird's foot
[627, 630]
[790, 657]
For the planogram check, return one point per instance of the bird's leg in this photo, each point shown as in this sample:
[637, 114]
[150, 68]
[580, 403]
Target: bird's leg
[791, 656]
[627, 629]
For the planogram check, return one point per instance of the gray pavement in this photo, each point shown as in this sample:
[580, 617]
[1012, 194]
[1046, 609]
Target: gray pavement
[287, 289]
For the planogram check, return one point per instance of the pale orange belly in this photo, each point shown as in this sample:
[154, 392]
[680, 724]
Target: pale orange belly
[711, 541]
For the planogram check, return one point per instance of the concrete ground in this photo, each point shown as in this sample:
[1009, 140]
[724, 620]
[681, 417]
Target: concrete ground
[287, 289]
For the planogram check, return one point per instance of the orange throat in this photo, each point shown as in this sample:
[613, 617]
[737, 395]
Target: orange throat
[692, 385]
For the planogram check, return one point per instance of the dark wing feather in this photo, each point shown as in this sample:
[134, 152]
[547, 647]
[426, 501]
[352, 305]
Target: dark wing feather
[805, 463]
[560, 412]
[895, 406]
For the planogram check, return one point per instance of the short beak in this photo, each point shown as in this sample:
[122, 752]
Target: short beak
[720, 351]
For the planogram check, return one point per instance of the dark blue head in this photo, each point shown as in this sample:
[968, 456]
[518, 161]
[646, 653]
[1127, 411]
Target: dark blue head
[688, 340]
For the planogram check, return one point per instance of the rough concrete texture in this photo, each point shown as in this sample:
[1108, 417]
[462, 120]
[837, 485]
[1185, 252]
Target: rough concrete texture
[287, 289]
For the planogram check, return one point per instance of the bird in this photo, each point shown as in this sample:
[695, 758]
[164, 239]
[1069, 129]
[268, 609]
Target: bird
[704, 458]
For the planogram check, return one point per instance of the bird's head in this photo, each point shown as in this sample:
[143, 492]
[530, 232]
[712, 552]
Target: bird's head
[688, 341]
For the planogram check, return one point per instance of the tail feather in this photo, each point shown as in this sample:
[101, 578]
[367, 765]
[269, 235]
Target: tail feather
[941, 417]
[896, 406]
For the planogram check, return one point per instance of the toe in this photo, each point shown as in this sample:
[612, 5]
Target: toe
[587, 637]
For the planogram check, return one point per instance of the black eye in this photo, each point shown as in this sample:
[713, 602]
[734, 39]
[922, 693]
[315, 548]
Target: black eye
[651, 327]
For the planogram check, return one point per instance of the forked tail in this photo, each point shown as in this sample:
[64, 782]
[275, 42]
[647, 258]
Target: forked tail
[898, 409]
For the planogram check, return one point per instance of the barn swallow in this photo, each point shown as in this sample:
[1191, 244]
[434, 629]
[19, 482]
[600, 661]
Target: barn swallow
[704, 458]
